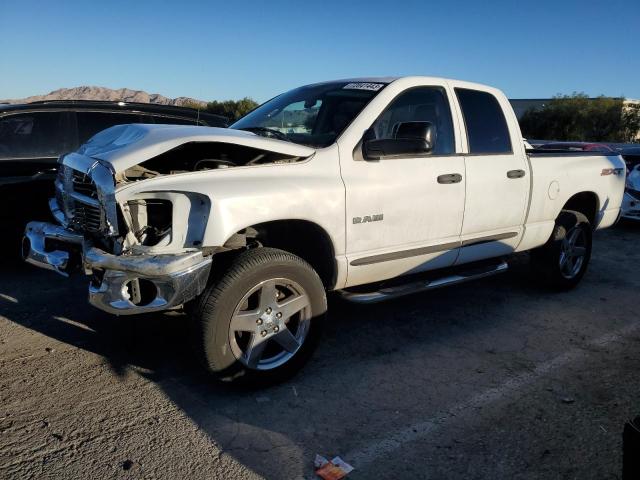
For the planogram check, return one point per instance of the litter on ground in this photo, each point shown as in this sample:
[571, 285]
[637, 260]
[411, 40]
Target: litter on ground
[331, 470]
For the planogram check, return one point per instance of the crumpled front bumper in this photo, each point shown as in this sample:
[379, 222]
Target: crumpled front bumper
[121, 284]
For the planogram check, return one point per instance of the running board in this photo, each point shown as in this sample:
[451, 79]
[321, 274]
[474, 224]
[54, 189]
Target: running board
[423, 285]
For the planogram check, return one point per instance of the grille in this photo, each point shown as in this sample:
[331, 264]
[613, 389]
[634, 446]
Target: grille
[77, 195]
[86, 217]
[83, 184]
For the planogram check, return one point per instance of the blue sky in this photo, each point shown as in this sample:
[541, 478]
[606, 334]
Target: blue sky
[218, 50]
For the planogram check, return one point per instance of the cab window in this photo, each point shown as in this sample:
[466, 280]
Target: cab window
[421, 104]
[486, 126]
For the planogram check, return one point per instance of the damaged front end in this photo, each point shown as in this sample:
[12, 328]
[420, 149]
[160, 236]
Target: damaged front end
[139, 238]
[119, 246]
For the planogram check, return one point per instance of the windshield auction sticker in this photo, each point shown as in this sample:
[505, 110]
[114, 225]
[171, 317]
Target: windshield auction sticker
[374, 87]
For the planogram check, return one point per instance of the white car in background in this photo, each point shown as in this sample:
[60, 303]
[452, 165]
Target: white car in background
[631, 200]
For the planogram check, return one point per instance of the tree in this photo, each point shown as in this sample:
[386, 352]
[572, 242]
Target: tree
[576, 117]
[631, 122]
[232, 109]
[192, 104]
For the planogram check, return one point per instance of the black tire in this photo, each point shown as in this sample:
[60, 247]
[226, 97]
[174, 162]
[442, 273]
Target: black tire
[548, 262]
[220, 347]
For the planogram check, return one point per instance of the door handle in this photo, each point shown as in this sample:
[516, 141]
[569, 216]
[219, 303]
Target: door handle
[450, 178]
[516, 173]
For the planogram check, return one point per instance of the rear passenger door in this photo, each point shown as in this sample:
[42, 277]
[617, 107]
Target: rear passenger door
[497, 187]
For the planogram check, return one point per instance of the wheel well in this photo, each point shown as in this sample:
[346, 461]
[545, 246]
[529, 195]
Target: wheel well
[585, 203]
[305, 239]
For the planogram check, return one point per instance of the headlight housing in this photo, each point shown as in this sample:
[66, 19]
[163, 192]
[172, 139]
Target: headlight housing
[151, 220]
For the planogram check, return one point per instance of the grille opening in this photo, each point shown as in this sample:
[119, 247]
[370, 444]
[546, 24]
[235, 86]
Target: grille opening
[83, 184]
[86, 217]
[141, 292]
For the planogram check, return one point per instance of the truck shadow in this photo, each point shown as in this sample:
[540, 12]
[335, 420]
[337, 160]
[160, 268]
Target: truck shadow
[374, 361]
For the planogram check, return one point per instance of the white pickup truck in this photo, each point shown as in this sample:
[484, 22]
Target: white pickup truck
[371, 187]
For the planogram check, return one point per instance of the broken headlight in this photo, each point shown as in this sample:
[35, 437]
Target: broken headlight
[151, 220]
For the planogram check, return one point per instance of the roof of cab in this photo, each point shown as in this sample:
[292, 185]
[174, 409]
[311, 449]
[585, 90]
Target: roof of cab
[410, 78]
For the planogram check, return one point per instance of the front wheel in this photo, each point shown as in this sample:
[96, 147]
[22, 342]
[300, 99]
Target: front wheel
[562, 262]
[260, 322]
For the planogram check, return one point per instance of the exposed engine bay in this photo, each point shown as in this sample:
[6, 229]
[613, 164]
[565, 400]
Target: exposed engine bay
[201, 156]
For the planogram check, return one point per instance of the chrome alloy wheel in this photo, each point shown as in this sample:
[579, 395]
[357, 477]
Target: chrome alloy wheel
[270, 324]
[572, 252]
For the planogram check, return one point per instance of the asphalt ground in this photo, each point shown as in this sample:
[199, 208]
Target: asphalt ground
[493, 379]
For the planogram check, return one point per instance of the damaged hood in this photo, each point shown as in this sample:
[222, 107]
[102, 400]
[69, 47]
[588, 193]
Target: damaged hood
[124, 146]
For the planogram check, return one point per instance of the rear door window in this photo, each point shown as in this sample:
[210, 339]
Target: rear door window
[35, 135]
[90, 123]
[486, 126]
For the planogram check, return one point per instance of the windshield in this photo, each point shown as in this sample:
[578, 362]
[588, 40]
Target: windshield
[313, 115]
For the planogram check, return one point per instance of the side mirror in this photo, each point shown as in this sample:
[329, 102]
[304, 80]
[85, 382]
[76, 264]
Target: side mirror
[422, 130]
[411, 139]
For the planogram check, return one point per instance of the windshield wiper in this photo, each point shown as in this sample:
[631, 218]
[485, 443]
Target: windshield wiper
[269, 131]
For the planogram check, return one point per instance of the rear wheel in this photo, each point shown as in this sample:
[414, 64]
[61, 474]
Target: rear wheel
[261, 320]
[562, 262]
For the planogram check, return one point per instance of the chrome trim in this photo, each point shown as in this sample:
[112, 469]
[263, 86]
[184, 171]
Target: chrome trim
[147, 265]
[177, 278]
[420, 286]
[101, 174]
[34, 249]
[104, 179]
[171, 290]
[56, 212]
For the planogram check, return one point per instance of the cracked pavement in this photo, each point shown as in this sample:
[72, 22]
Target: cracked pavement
[492, 379]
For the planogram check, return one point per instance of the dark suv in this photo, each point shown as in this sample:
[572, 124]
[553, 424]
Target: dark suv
[34, 135]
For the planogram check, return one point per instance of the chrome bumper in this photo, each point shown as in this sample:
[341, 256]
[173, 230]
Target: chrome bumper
[37, 246]
[121, 284]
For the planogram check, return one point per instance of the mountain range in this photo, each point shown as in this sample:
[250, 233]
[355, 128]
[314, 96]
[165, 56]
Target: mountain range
[104, 93]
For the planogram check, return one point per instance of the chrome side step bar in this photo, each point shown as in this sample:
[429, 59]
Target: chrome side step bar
[422, 285]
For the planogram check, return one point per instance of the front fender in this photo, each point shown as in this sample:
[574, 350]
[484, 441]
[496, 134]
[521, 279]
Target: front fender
[219, 203]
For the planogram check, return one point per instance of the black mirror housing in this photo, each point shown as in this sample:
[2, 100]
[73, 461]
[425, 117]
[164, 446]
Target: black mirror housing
[422, 130]
[386, 148]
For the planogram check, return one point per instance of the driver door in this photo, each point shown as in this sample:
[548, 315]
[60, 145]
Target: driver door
[404, 214]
